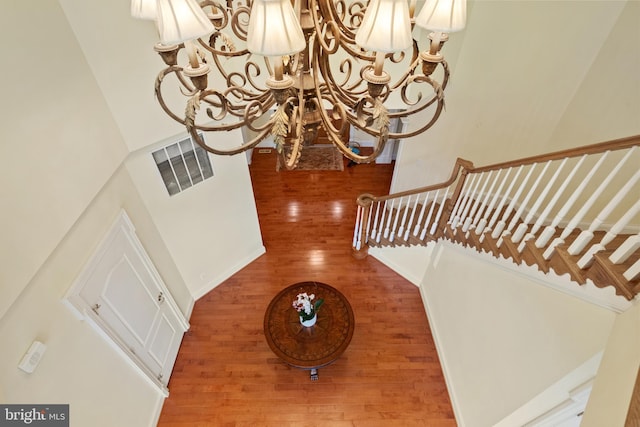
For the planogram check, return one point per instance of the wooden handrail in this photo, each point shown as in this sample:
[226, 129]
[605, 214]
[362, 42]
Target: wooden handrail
[472, 218]
[461, 164]
[616, 144]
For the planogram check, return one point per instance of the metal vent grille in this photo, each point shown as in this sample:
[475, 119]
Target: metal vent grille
[182, 165]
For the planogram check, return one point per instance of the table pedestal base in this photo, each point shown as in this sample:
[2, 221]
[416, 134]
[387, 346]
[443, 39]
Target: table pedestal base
[314, 375]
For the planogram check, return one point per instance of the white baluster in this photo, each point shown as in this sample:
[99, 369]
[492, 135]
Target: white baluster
[550, 230]
[416, 229]
[503, 221]
[470, 200]
[585, 237]
[367, 229]
[476, 203]
[428, 221]
[503, 199]
[633, 272]
[384, 212]
[404, 218]
[587, 258]
[463, 192]
[356, 233]
[374, 229]
[573, 223]
[479, 220]
[521, 208]
[413, 214]
[549, 205]
[395, 220]
[467, 191]
[389, 215]
[625, 250]
[434, 227]
[522, 227]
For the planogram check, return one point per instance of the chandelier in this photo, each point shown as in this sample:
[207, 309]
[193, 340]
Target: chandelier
[286, 70]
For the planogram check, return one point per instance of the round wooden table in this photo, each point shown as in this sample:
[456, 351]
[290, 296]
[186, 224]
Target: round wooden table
[309, 347]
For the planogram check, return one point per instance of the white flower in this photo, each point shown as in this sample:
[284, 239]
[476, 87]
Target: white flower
[303, 302]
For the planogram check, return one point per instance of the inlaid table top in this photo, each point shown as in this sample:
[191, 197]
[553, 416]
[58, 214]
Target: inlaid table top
[315, 346]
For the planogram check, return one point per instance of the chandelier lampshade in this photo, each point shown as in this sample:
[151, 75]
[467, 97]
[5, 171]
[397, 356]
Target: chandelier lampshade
[274, 29]
[282, 73]
[144, 9]
[386, 27]
[181, 20]
[446, 16]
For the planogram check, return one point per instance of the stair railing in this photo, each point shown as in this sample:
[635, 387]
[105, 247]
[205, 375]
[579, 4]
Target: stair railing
[574, 211]
[406, 218]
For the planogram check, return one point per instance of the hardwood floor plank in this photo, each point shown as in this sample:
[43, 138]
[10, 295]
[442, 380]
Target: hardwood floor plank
[390, 375]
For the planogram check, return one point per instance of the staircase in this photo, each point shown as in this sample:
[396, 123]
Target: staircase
[574, 211]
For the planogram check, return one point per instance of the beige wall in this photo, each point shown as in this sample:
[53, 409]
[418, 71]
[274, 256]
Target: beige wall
[611, 394]
[59, 142]
[79, 367]
[607, 103]
[65, 181]
[119, 50]
[530, 77]
[502, 337]
[211, 229]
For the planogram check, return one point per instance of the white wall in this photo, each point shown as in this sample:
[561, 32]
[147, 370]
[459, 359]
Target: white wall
[530, 77]
[410, 262]
[613, 387]
[503, 338]
[79, 367]
[606, 105]
[59, 141]
[119, 50]
[212, 228]
[65, 182]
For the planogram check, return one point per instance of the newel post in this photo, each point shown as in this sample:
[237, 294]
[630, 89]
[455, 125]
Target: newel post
[360, 248]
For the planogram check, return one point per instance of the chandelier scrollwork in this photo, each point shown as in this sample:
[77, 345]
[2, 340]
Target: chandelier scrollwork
[286, 71]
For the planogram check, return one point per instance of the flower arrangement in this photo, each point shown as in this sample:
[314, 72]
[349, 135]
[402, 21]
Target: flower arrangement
[305, 307]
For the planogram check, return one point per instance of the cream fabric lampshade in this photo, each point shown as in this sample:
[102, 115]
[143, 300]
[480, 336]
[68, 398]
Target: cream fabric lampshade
[274, 29]
[446, 16]
[144, 9]
[386, 26]
[181, 20]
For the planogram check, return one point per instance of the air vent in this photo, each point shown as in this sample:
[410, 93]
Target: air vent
[182, 165]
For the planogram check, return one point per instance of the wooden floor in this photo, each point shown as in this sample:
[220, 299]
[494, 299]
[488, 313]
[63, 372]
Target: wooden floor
[390, 375]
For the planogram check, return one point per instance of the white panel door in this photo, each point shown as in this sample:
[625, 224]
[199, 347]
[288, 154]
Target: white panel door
[128, 300]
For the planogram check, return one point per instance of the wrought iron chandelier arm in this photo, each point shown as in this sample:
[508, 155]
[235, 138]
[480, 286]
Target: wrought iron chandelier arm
[335, 135]
[327, 33]
[282, 119]
[193, 131]
[222, 102]
[158, 89]
[253, 111]
[437, 97]
[329, 11]
[236, 18]
[411, 69]
[338, 92]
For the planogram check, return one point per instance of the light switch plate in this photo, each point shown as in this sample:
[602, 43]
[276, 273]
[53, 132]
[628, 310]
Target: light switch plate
[33, 356]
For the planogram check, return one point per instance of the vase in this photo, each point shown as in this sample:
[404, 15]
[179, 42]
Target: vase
[309, 322]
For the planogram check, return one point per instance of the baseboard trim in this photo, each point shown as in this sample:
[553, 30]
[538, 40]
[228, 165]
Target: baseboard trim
[433, 325]
[199, 293]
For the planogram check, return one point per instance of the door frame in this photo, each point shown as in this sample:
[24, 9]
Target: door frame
[83, 310]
